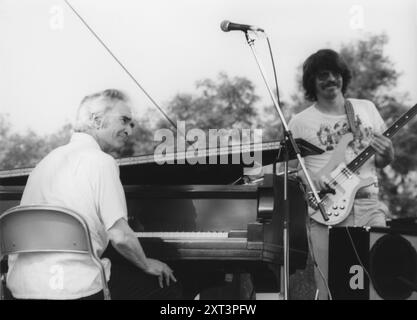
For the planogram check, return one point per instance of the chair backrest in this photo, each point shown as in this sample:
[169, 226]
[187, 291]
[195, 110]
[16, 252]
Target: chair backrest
[46, 228]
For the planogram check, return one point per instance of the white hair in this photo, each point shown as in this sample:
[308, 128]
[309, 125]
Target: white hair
[96, 105]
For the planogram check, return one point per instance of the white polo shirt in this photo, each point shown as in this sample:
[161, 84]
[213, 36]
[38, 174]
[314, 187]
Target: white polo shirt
[83, 178]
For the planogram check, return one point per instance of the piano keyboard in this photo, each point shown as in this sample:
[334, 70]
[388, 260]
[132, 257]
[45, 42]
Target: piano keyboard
[183, 235]
[211, 245]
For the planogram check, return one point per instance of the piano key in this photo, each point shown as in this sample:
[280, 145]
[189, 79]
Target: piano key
[183, 235]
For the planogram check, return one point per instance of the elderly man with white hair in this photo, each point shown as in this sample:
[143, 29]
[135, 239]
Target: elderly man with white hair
[84, 176]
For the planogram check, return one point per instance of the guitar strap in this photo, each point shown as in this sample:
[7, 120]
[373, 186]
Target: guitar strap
[351, 118]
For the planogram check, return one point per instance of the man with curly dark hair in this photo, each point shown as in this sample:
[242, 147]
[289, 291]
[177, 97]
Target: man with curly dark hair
[326, 77]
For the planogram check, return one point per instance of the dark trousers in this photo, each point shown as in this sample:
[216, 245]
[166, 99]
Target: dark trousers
[128, 282]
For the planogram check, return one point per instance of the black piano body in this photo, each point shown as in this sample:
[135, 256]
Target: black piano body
[216, 235]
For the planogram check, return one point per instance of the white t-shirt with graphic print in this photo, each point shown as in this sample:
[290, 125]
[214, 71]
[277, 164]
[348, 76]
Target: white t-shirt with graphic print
[325, 131]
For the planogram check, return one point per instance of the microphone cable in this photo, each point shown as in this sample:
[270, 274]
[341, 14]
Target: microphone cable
[127, 72]
[273, 67]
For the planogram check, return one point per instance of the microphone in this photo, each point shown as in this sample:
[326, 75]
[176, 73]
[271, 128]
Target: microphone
[227, 26]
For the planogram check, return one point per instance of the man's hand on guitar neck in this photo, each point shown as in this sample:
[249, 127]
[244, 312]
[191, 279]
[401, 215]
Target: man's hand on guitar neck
[384, 150]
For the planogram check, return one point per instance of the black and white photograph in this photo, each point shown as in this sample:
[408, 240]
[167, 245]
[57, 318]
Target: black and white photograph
[227, 151]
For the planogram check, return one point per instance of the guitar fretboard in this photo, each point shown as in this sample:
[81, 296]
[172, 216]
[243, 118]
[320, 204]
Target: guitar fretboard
[364, 156]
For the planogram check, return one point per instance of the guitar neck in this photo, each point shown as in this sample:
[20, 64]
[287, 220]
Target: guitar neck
[366, 154]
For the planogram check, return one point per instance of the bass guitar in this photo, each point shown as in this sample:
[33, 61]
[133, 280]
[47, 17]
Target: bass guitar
[343, 178]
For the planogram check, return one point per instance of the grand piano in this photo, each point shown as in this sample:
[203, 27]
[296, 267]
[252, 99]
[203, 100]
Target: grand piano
[223, 238]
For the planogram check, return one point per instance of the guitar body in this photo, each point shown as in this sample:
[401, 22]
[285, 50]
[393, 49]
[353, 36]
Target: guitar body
[343, 181]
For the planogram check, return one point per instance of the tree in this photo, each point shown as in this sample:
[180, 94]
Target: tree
[273, 129]
[26, 150]
[4, 134]
[375, 78]
[225, 103]
[373, 73]
[23, 151]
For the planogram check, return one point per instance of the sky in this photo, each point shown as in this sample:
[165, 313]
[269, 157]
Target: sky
[49, 61]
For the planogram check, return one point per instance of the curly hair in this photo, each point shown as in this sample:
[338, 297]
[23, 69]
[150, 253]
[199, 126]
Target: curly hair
[324, 59]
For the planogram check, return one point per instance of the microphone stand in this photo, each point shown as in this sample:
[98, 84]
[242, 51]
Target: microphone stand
[287, 144]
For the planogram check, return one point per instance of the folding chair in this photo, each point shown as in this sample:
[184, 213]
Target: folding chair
[45, 228]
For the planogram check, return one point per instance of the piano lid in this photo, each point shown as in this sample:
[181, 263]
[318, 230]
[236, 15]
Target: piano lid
[207, 166]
